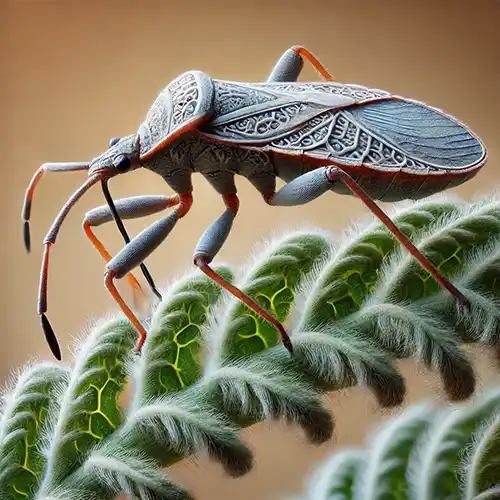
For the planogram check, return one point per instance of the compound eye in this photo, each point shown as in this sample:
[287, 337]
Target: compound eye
[122, 163]
[113, 141]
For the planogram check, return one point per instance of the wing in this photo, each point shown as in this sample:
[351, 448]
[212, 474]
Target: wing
[351, 125]
[257, 113]
[183, 105]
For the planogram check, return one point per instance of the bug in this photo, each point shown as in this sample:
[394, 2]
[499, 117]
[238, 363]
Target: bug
[317, 137]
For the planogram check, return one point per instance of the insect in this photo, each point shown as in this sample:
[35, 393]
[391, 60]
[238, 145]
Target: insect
[315, 136]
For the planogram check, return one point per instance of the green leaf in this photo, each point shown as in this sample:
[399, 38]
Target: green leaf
[273, 282]
[447, 245]
[269, 386]
[24, 414]
[353, 272]
[438, 464]
[483, 470]
[181, 424]
[336, 360]
[171, 356]
[89, 409]
[479, 282]
[337, 476]
[112, 470]
[385, 476]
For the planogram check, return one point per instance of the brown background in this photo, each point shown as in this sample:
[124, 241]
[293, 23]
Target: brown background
[75, 74]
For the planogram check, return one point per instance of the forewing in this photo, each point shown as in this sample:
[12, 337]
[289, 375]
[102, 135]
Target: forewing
[395, 133]
[257, 114]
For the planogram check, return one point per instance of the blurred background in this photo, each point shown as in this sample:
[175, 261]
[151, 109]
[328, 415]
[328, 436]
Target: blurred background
[76, 73]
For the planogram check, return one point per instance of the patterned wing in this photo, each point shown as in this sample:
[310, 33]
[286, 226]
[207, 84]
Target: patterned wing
[185, 103]
[389, 134]
[256, 113]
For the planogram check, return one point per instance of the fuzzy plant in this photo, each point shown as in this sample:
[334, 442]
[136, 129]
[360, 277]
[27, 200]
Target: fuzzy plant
[111, 423]
[427, 452]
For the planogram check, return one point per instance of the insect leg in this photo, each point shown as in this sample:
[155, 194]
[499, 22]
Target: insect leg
[309, 186]
[121, 227]
[290, 64]
[139, 249]
[210, 244]
[127, 208]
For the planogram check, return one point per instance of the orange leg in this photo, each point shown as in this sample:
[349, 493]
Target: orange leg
[135, 207]
[207, 248]
[306, 54]
[108, 282]
[137, 251]
[132, 280]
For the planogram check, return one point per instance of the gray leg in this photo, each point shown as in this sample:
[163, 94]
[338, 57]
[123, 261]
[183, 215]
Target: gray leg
[210, 244]
[121, 227]
[289, 66]
[139, 248]
[127, 208]
[309, 186]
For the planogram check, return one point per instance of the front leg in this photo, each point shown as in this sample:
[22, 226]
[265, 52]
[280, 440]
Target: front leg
[127, 208]
[134, 253]
[290, 64]
[210, 244]
[309, 186]
[121, 227]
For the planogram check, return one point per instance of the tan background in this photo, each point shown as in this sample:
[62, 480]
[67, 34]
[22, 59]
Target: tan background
[75, 74]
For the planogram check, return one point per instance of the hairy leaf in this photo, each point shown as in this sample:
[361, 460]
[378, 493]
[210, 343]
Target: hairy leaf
[436, 475]
[483, 463]
[112, 470]
[335, 360]
[89, 409]
[353, 272]
[337, 476]
[24, 414]
[479, 283]
[170, 360]
[273, 282]
[269, 386]
[447, 246]
[184, 423]
[385, 474]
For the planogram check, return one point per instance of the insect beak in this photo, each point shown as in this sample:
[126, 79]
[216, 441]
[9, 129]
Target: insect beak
[103, 171]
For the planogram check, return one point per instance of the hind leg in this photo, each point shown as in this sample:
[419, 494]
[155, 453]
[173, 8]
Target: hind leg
[315, 183]
[290, 64]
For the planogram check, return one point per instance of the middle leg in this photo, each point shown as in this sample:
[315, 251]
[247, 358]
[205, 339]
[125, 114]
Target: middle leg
[127, 208]
[207, 248]
[137, 251]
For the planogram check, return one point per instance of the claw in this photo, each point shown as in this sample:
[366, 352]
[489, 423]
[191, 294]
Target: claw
[51, 337]
[27, 236]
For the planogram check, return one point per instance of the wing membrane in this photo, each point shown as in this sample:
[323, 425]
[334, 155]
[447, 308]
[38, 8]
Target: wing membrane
[421, 132]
